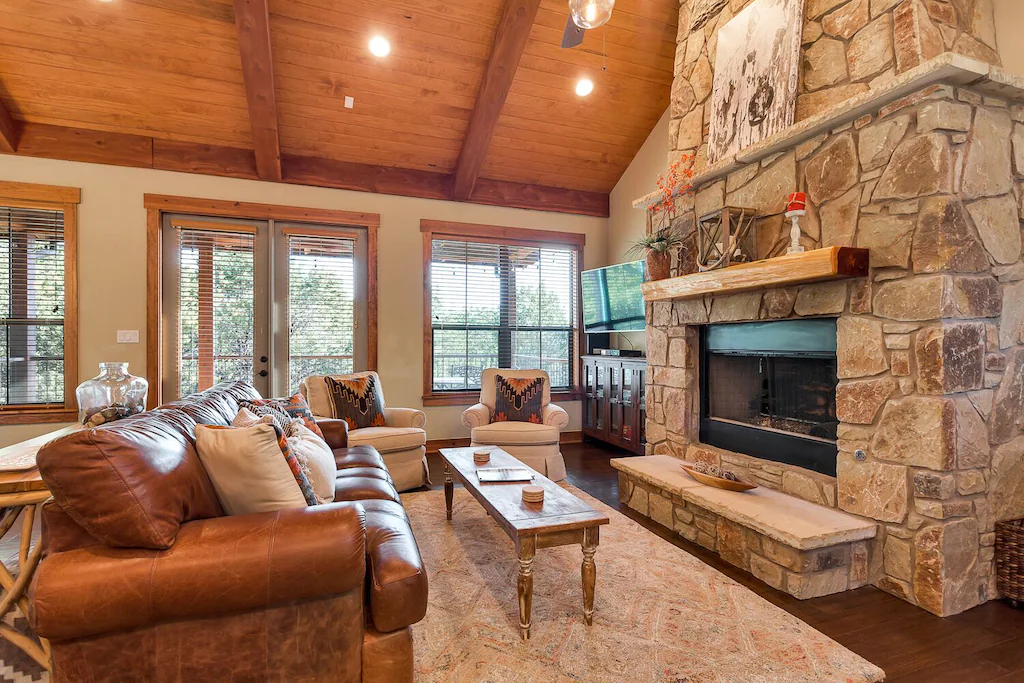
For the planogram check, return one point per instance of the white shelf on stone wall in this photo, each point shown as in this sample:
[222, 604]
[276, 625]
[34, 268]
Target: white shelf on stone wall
[830, 263]
[948, 68]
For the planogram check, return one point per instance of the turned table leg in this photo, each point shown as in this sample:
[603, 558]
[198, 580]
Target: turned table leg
[589, 572]
[449, 489]
[527, 549]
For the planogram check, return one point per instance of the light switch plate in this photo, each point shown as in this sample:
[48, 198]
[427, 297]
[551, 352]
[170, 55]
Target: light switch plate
[349, 102]
[127, 336]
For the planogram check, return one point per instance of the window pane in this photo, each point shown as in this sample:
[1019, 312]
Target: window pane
[493, 305]
[321, 306]
[215, 308]
[31, 306]
[556, 358]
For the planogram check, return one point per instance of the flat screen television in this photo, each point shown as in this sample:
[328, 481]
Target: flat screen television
[612, 299]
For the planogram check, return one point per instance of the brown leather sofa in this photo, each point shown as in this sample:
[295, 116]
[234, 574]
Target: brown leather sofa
[145, 579]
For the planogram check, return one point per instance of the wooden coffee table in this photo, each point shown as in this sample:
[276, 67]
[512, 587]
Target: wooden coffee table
[563, 519]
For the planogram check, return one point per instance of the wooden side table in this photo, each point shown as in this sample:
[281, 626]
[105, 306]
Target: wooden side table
[22, 494]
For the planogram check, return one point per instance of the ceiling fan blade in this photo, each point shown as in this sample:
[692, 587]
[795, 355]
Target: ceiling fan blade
[573, 35]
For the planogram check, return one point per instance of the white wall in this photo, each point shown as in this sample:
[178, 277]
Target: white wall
[625, 223]
[112, 263]
[1010, 34]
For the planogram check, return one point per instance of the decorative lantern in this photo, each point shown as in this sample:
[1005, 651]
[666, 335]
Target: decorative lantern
[796, 208]
[726, 237]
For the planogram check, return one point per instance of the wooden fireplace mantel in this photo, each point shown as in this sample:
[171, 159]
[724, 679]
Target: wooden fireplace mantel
[830, 263]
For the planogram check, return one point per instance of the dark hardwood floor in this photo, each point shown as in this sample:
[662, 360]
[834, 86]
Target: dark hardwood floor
[911, 645]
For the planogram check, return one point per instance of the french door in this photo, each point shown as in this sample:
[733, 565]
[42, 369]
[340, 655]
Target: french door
[266, 301]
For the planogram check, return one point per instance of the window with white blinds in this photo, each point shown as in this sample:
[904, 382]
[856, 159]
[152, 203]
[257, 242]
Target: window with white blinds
[498, 305]
[321, 305]
[215, 298]
[31, 306]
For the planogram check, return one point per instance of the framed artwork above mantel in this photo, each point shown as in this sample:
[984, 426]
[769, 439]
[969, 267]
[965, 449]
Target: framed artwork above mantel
[756, 72]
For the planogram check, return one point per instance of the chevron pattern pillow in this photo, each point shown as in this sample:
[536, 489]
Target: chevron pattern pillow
[357, 399]
[518, 399]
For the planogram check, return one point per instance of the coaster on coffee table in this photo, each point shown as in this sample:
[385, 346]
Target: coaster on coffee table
[533, 494]
[481, 456]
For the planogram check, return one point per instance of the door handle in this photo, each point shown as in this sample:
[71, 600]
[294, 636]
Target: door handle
[262, 373]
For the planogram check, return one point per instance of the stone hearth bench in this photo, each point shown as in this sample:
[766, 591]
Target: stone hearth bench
[796, 546]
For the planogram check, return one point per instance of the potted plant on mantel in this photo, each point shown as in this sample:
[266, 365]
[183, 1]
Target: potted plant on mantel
[657, 248]
[662, 237]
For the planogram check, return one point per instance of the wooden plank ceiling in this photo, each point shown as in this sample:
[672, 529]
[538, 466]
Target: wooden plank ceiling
[200, 86]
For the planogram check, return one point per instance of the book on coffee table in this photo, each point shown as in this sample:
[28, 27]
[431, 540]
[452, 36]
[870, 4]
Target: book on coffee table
[503, 474]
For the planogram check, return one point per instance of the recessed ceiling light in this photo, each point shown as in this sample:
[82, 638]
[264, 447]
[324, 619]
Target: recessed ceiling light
[379, 46]
[584, 87]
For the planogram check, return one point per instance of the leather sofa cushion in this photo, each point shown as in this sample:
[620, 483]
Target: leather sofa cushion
[388, 439]
[217, 566]
[364, 488]
[131, 483]
[60, 532]
[358, 456]
[514, 433]
[217, 405]
[369, 472]
[397, 580]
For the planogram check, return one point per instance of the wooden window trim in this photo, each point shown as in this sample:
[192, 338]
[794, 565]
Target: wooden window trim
[157, 205]
[65, 199]
[433, 229]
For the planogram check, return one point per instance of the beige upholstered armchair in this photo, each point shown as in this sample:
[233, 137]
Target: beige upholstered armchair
[534, 444]
[401, 441]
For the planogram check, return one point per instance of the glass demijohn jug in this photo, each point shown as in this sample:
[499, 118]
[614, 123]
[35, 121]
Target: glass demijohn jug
[111, 395]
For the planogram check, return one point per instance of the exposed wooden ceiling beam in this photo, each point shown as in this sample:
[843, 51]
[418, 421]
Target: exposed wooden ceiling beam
[122, 149]
[252, 19]
[10, 131]
[509, 41]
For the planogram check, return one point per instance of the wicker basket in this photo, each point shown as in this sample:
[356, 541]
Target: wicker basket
[1010, 559]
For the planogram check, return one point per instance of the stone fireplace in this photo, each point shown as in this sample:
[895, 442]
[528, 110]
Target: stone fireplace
[917, 155]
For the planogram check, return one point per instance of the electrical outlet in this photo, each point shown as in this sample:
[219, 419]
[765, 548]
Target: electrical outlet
[127, 336]
[349, 102]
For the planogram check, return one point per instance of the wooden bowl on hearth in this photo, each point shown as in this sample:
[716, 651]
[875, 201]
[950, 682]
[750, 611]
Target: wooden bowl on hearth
[719, 482]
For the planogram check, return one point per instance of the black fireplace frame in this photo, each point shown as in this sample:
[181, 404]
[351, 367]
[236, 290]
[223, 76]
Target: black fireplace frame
[790, 449]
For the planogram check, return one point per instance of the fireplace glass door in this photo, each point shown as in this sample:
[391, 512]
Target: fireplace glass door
[768, 390]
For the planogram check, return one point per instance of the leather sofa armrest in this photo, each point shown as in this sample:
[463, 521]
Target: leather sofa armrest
[335, 431]
[216, 566]
[476, 415]
[555, 416]
[405, 417]
[397, 578]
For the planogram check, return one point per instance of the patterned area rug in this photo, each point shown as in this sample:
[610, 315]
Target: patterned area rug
[661, 615]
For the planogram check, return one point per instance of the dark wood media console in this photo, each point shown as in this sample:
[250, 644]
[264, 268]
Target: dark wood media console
[614, 404]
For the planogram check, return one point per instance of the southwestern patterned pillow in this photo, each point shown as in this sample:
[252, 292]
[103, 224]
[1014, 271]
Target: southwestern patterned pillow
[357, 400]
[518, 399]
[284, 410]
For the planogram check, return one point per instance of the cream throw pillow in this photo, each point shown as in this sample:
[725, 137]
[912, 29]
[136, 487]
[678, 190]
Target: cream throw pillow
[248, 470]
[318, 459]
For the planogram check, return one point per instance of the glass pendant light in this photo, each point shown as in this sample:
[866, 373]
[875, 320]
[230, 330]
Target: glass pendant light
[591, 13]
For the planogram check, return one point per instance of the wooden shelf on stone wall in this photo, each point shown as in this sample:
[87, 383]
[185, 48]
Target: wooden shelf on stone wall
[831, 263]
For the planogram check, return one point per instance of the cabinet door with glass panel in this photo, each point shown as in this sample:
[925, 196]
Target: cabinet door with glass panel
[263, 301]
